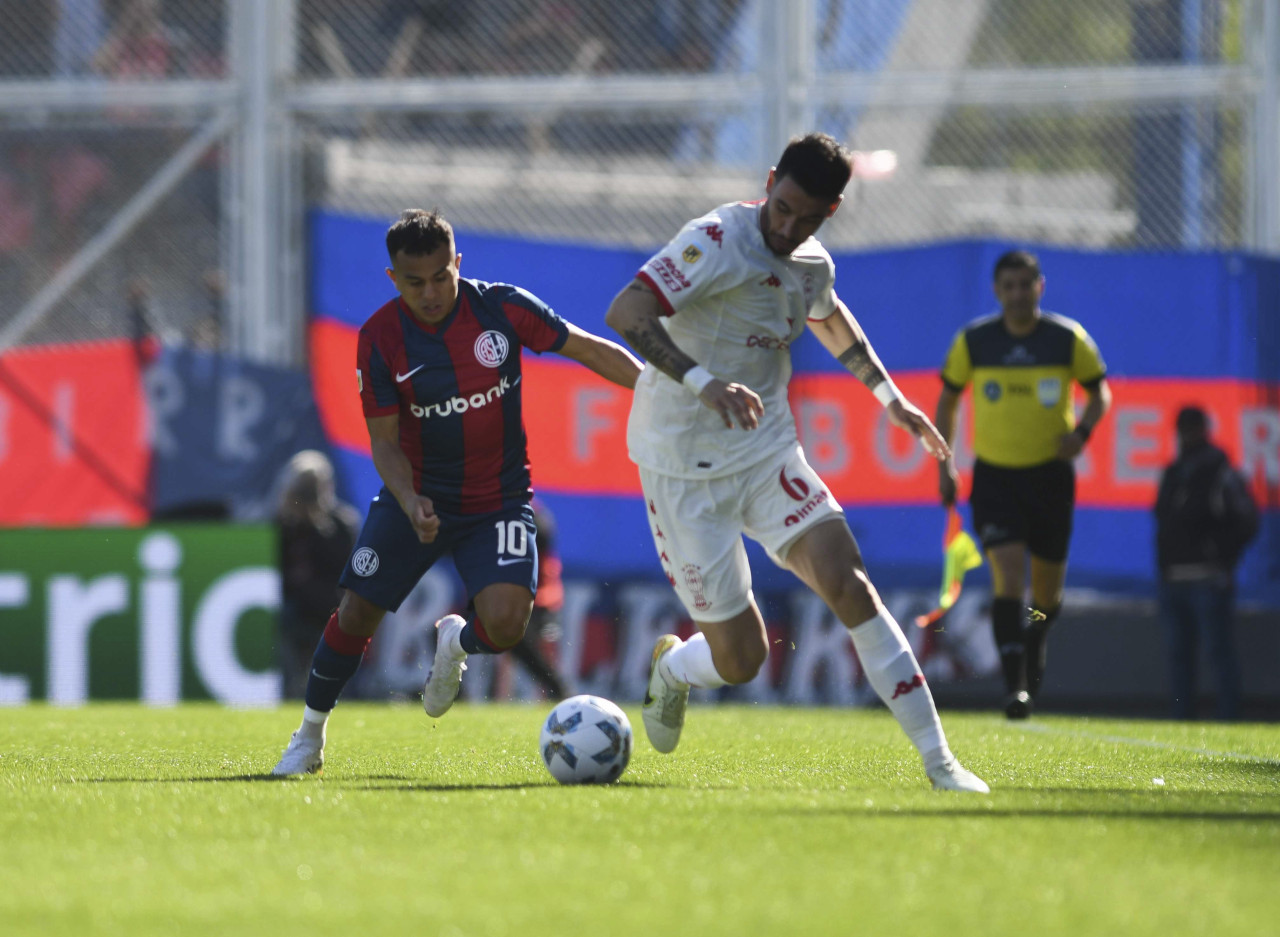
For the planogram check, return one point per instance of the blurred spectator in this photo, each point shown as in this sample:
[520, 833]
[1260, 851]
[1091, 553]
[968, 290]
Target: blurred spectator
[317, 532]
[77, 37]
[543, 629]
[1205, 517]
[138, 46]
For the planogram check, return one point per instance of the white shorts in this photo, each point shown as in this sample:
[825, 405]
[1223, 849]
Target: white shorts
[698, 524]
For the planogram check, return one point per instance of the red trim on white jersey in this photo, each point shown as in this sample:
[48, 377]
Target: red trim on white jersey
[657, 291]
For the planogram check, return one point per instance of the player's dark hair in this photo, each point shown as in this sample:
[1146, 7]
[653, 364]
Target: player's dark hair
[818, 164]
[1016, 260]
[418, 232]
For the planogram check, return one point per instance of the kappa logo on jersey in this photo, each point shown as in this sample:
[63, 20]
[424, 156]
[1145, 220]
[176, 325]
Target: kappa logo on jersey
[670, 273]
[691, 254]
[491, 348]
[364, 562]
[771, 280]
[715, 232]
[462, 404]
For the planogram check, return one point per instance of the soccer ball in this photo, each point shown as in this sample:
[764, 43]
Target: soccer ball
[586, 740]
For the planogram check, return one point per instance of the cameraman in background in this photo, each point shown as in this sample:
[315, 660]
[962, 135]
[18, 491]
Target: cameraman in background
[317, 532]
[1205, 517]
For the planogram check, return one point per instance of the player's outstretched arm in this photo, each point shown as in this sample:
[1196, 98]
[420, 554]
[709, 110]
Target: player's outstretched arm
[397, 474]
[634, 314]
[608, 359]
[841, 335]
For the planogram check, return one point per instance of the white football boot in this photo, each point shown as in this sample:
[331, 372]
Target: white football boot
[665, 699]
[303, 755]
[445, 679]
[953, 776]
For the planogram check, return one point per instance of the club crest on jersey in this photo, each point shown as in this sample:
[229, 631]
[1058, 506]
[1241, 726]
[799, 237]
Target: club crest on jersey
[364, 562]
[1049, 390]
[691, 254]
[491, 348]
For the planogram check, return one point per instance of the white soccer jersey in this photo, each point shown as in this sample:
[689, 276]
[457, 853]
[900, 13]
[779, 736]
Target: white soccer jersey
[735, 307]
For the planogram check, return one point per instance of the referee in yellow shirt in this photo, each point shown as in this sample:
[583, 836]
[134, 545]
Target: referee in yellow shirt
[1022, 364]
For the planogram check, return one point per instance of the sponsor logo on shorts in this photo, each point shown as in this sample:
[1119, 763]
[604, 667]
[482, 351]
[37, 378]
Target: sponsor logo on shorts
[992, 532]
[807, 508]
[797, 489]
[462, 404]
[491, 348]
[691, 254]
[360, 380]
[771, 280]
[364, 562]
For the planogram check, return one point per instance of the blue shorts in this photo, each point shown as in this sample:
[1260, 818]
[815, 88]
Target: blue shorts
[388, 559]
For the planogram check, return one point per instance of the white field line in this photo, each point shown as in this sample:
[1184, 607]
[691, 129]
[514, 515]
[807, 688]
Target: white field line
[1149, 743]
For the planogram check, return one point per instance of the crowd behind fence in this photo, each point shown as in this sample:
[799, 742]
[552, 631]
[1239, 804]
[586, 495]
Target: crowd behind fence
[1145, 124]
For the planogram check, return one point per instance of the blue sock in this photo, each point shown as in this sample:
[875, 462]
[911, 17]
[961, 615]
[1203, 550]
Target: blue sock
[475, 640]
[336, 660]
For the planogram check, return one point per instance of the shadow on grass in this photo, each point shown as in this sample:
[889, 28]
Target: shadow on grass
[373, 782]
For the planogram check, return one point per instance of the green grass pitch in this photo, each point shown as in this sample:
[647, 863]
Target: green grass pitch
[115, 819]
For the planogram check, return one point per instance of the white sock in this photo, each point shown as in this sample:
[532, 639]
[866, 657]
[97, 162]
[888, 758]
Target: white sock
[892, 670]
[691, 663]
[313, 723]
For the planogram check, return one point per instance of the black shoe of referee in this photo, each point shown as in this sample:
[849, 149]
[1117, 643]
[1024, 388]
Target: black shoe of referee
[1018, 705]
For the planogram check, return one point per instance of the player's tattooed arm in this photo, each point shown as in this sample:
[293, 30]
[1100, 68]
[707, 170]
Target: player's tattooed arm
[634, 314]
[841, 335]
[861, 361]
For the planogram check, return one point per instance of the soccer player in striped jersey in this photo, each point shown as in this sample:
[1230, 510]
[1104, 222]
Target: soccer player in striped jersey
[438, 370]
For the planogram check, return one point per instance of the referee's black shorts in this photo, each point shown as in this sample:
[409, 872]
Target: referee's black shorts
[1025, 505]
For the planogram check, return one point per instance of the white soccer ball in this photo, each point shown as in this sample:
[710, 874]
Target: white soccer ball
[586, 740]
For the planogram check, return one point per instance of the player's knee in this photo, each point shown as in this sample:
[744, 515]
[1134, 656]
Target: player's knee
[851, 592]
[742, 662]
[358, 616]
[506, 625]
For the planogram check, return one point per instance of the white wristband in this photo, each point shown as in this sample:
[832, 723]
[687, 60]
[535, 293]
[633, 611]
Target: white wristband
[887, 392]
[697, 378]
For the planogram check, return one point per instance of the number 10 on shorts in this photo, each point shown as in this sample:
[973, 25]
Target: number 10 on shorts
[513, 539]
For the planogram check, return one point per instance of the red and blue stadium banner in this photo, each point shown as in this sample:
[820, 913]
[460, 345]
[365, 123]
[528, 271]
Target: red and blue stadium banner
[1174, 329]
[73, 436]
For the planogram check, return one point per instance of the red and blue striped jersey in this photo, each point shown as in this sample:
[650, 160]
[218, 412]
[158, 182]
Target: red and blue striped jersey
[456, 387]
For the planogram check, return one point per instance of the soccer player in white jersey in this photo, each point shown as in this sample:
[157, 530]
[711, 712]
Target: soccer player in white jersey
[714, 314]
